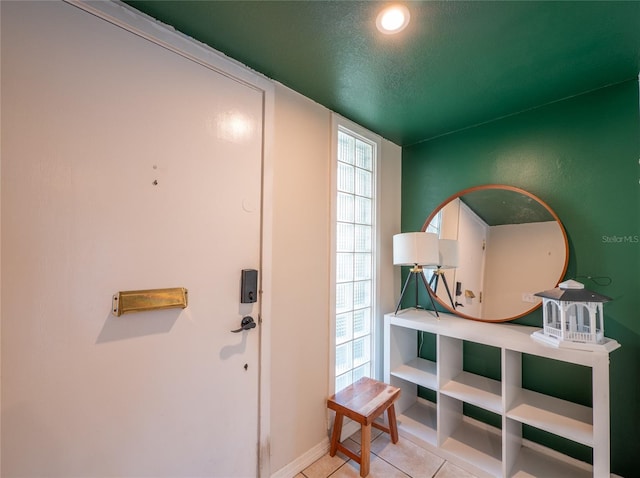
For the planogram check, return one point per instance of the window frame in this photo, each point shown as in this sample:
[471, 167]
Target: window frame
[339, 123]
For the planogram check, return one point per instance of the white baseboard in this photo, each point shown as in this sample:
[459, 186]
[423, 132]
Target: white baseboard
[296, 466]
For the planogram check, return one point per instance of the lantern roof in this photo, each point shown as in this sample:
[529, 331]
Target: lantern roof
[573, 291]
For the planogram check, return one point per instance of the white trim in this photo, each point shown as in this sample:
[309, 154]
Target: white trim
[135, 22]
[138, 23]
[0, 274]
[338, 122]
[331, 386]
[266, 298]
[303, 461]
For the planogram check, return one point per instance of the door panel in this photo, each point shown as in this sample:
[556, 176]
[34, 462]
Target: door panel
[124, 166]
[470, 272]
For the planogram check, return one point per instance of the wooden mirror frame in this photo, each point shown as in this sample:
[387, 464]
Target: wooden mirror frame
[544, 205]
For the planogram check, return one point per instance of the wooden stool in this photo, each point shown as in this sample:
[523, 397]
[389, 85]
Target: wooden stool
[363, 402]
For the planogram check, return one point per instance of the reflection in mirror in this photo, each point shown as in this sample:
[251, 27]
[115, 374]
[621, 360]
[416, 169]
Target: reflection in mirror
[510, 246]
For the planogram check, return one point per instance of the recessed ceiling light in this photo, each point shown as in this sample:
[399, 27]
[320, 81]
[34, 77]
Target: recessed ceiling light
[393, 19]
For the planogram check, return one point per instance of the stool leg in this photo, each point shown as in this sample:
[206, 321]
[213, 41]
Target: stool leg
[393, 425]
[335, 435]
[365, 451]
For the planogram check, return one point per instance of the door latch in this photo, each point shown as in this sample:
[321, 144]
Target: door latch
[246, 324]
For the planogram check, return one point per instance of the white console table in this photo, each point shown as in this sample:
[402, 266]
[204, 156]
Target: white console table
[485, 450]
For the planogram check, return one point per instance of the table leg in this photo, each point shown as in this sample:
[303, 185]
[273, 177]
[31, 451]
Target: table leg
[335, 435]
[365, 451]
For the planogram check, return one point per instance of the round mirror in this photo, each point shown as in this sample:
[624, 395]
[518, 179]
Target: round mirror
[510, 245]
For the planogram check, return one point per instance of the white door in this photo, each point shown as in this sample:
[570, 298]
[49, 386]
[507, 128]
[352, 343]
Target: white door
[125, 166]
[472, 241]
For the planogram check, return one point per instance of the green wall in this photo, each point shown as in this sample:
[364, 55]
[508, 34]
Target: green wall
[581, 156]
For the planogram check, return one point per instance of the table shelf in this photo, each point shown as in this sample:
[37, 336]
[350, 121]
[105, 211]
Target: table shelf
[494, 452]
[419, 371]
[563, 418]
[476, 390]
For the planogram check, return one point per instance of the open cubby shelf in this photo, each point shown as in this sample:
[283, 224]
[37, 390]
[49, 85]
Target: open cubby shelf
[487, 450]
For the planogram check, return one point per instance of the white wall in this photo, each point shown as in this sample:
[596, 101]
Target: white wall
[300, 309]
[301, 256]
[537, 248]
[389, 280]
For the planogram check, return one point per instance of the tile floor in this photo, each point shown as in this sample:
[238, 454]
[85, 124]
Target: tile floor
[402, 460]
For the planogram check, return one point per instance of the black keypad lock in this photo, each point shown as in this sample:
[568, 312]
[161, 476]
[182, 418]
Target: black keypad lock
[249, 286]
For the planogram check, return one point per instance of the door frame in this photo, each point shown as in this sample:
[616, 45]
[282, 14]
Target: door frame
[139, 24]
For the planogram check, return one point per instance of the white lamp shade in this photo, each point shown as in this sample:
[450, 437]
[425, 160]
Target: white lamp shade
[448, 253]
[412, 248]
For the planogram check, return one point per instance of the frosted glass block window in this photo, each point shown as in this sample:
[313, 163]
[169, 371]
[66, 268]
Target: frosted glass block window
[361, 266]
[344, 357]
[344, 328]
[355, 253]
[363, 184]
[345, 207]
[344, 380]
[361, 322]
[363, 210]
[362, 238]
[364, 155]
[347, 148]
[344, 267]
[346, 176]
[434, 225]
[344, 297]
[362, 294]
[362, 371]
[345, 237]
[361, 351]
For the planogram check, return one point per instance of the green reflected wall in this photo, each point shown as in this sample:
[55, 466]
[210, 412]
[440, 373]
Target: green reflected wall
[581, 156]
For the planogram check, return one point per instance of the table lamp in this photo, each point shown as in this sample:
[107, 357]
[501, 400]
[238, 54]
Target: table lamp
[416, 249]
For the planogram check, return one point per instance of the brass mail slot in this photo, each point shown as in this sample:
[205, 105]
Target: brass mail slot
[151, 299]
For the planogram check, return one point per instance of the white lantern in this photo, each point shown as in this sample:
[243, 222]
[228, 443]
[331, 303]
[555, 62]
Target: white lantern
[572, 318]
